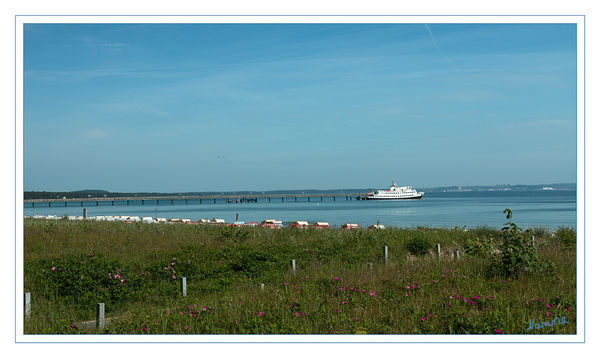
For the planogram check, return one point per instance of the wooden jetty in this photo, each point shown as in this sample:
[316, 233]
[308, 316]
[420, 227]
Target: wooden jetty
[193, 199]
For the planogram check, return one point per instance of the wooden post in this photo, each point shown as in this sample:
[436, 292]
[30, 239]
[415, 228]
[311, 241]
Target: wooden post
[293, 265]
[385, 254]
[183, 286]
[438, 251]
[49, 204]
[65, 204]
[334, 198]
[27, 305]
[97, 203]
[84, 213]
[308, 198]
[456, 254]
[533, 241]
[282, 199]
[100, 316]
[262, 286]
[215, 201]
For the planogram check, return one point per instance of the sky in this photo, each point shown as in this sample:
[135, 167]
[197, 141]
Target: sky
[230, 107]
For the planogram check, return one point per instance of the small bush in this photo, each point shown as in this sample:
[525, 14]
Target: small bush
[485, 231]
[566, 237]
[539, 231]
[517, 254]
[480, 246]
[418, 245]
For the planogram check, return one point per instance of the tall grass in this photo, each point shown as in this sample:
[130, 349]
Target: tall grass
[333, 291]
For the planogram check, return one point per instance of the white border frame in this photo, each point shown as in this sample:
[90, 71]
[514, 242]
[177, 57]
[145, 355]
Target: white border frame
[579, 20]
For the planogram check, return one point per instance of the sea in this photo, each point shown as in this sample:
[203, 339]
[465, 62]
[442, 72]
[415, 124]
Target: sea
[549, 209]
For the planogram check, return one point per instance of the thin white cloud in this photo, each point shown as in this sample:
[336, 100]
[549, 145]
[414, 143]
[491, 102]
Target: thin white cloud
[94, 134]
[439, 49]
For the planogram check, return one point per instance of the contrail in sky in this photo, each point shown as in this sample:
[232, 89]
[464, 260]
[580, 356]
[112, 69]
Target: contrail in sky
[439, 49]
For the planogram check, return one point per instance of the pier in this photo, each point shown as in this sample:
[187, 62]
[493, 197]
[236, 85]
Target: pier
[195, 199]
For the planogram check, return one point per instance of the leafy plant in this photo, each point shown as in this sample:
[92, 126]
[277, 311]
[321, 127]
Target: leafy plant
[566, 237]
[517, 253]
[418, 245]
[479, 246]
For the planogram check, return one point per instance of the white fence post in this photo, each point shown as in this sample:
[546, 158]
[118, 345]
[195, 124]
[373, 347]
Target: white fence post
[100, 321]
[438, 251]
[27, 305]
[385, 254]
[293, 265]
[457, 254]
[183, 287]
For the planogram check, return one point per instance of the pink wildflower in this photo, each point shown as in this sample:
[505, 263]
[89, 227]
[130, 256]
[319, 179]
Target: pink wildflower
[548, 314]
[488, 297]
[185, 327]
[498, 331]
[286, 283]
[422, 319]
[173, 277]
[406, 294]
[371, 293]
[337, 278]
[53, 268]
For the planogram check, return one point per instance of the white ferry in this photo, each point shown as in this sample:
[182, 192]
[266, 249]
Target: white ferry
[395, 193]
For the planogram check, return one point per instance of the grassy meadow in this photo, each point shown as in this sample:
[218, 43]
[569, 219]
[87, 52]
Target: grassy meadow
[341, 285]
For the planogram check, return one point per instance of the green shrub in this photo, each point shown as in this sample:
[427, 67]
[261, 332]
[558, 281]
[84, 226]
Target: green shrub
[517, 254]
[566, 237]
[480, 246]
[418, 245]
[539, 231]
[88, 279]
[485, 231]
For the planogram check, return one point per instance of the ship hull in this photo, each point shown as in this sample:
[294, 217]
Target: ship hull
[409, 198]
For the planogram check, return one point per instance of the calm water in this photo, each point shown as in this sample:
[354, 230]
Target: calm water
[530, 208]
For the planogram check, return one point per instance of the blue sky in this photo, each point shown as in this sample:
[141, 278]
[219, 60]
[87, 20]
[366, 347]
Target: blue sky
[224, 107]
